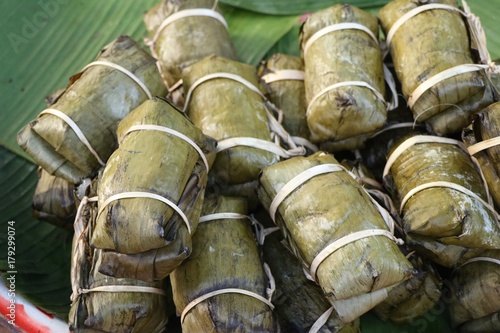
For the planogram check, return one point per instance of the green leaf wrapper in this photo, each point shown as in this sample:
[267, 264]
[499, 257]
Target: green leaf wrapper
[145, 238]
[96, 100]
[311, 222]
[225, 255]
[105, 311]
[347, 115]
[427, 44]
[475, 295]
[485, 126]
[446, 225]
[186, 40]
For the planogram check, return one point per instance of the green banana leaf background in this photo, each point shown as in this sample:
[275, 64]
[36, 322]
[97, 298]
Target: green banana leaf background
[44, 42]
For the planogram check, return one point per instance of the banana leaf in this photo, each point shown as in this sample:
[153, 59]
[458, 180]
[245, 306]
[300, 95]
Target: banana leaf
[487, 167]
[442, 198]
[475, 294]
[288, 94]
[365, 177]
[399, 124]
[430, 43]
[486, 126]
[42, 250]
[286, 7]
[299, 302]
[225, 255]
[54, 200]
[144, 237]
[311, 223]
[288, 44]
[96, 100]
[486, 324]
[374, 188]
[495, 79]
[348, 114]
[438, 252]
[413, 298]
[417, 295]
[452, 120]
[187, 39]
[223, 108]
[122, 311]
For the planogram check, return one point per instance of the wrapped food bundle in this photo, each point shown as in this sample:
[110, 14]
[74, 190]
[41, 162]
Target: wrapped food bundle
[222, 286]
[225, 102]
[151, 192]
[399, 124]
[344, 76]
[414, 297]
[54, 200]
[373, 187]
[283, 76]
[363, 176]
[417, 295]
[105, 304]
[300, 304]
[481, 139]
[475, 294]
[344, 222]
[185, 31]
[433, 58]
[76, 135]
[442, 198]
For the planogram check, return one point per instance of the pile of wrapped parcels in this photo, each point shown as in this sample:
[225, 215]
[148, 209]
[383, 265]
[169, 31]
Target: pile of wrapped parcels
[292, 197]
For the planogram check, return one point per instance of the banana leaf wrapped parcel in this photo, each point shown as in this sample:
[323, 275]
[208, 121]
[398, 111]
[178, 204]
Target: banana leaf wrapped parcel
[366, 178]
[487, 324]
[445, 207]
[343, 222]
[225, 101]
[414, 297]
[55, 200]
[475, 294]
[151, 192]
[434, 58]
[222, 287]
[299, 303]
[481, 139]
[184, 32]
[75, 136]
[399, 124]
[283, 76]
[417, 295]
[102, 303]
[344, 76]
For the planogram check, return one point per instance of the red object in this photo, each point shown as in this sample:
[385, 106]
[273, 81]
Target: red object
[21, 314]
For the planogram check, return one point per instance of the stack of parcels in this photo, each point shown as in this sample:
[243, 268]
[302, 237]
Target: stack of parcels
[161, 159]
